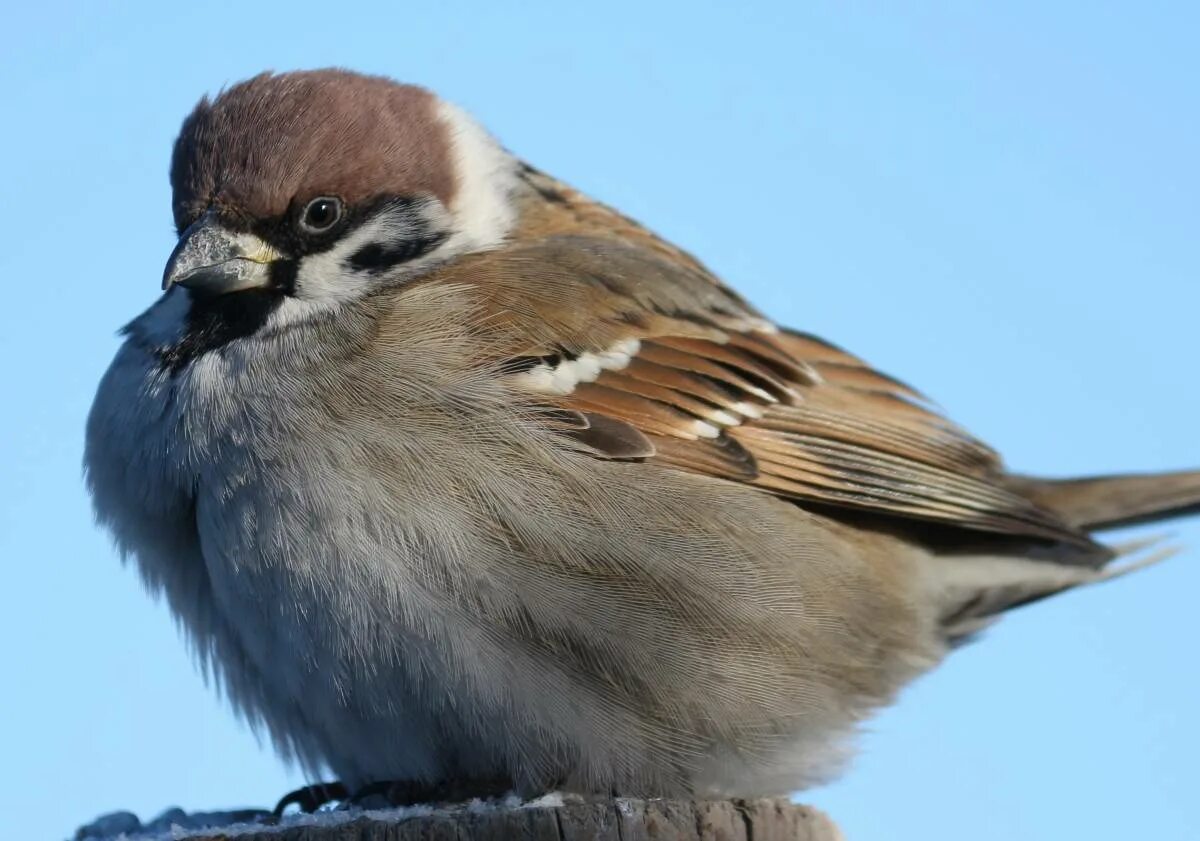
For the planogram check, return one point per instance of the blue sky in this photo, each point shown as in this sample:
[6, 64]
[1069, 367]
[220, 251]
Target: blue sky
[996, 202]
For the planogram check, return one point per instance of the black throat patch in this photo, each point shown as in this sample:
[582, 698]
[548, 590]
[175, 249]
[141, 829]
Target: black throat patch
[215, 321]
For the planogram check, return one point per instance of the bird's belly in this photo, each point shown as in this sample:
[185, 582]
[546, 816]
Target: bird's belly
[396, 642]
[341, 679]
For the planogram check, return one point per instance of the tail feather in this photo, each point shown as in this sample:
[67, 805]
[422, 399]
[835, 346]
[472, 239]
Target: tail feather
[975, 587]
[976, 593]
[1104, 502]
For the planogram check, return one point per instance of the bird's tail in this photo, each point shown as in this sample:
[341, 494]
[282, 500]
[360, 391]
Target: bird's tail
[976, 590]
[1104, 502]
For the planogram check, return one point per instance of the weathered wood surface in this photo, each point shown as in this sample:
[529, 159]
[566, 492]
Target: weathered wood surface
[622, 819]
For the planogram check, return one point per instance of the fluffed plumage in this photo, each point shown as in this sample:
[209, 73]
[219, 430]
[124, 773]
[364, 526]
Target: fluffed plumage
[452, 473]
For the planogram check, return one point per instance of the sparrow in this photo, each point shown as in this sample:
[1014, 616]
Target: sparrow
[454, 476]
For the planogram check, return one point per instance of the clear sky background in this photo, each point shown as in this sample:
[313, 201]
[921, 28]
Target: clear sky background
[1000, 205]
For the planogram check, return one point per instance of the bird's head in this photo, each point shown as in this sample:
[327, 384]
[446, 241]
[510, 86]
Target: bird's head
[302, 190]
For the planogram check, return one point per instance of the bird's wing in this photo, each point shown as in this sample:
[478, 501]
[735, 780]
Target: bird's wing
[646, 355]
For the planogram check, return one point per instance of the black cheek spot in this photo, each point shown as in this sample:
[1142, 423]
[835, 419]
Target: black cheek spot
[378, 257]
[369, 257]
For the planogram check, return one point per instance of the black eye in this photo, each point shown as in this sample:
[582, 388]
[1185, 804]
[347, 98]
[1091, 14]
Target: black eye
[321, 214]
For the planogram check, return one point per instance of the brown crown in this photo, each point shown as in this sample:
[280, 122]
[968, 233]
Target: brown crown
[279, 138]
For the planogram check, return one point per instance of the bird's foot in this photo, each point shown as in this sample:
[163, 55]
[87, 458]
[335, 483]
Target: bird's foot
[391, 794]
[310, 798]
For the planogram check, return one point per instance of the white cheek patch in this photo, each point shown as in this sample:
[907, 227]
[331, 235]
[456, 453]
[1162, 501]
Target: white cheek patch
[329, 276]
[293, 310]
[480, 216]
[482, 208]
[562, 377]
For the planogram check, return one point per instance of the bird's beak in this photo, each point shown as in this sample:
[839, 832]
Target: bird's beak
[214, 261]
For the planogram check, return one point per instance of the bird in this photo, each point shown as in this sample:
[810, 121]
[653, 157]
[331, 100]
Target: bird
[453, 476]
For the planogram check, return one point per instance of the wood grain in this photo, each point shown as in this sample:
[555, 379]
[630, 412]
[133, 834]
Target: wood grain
[620, 819]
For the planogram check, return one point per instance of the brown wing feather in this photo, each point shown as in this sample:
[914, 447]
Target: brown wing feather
[714, 388]
[608, 437]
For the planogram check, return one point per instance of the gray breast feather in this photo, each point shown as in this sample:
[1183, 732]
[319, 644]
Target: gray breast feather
[402, 577]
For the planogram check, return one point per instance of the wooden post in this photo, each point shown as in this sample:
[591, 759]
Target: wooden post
[573, 819]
